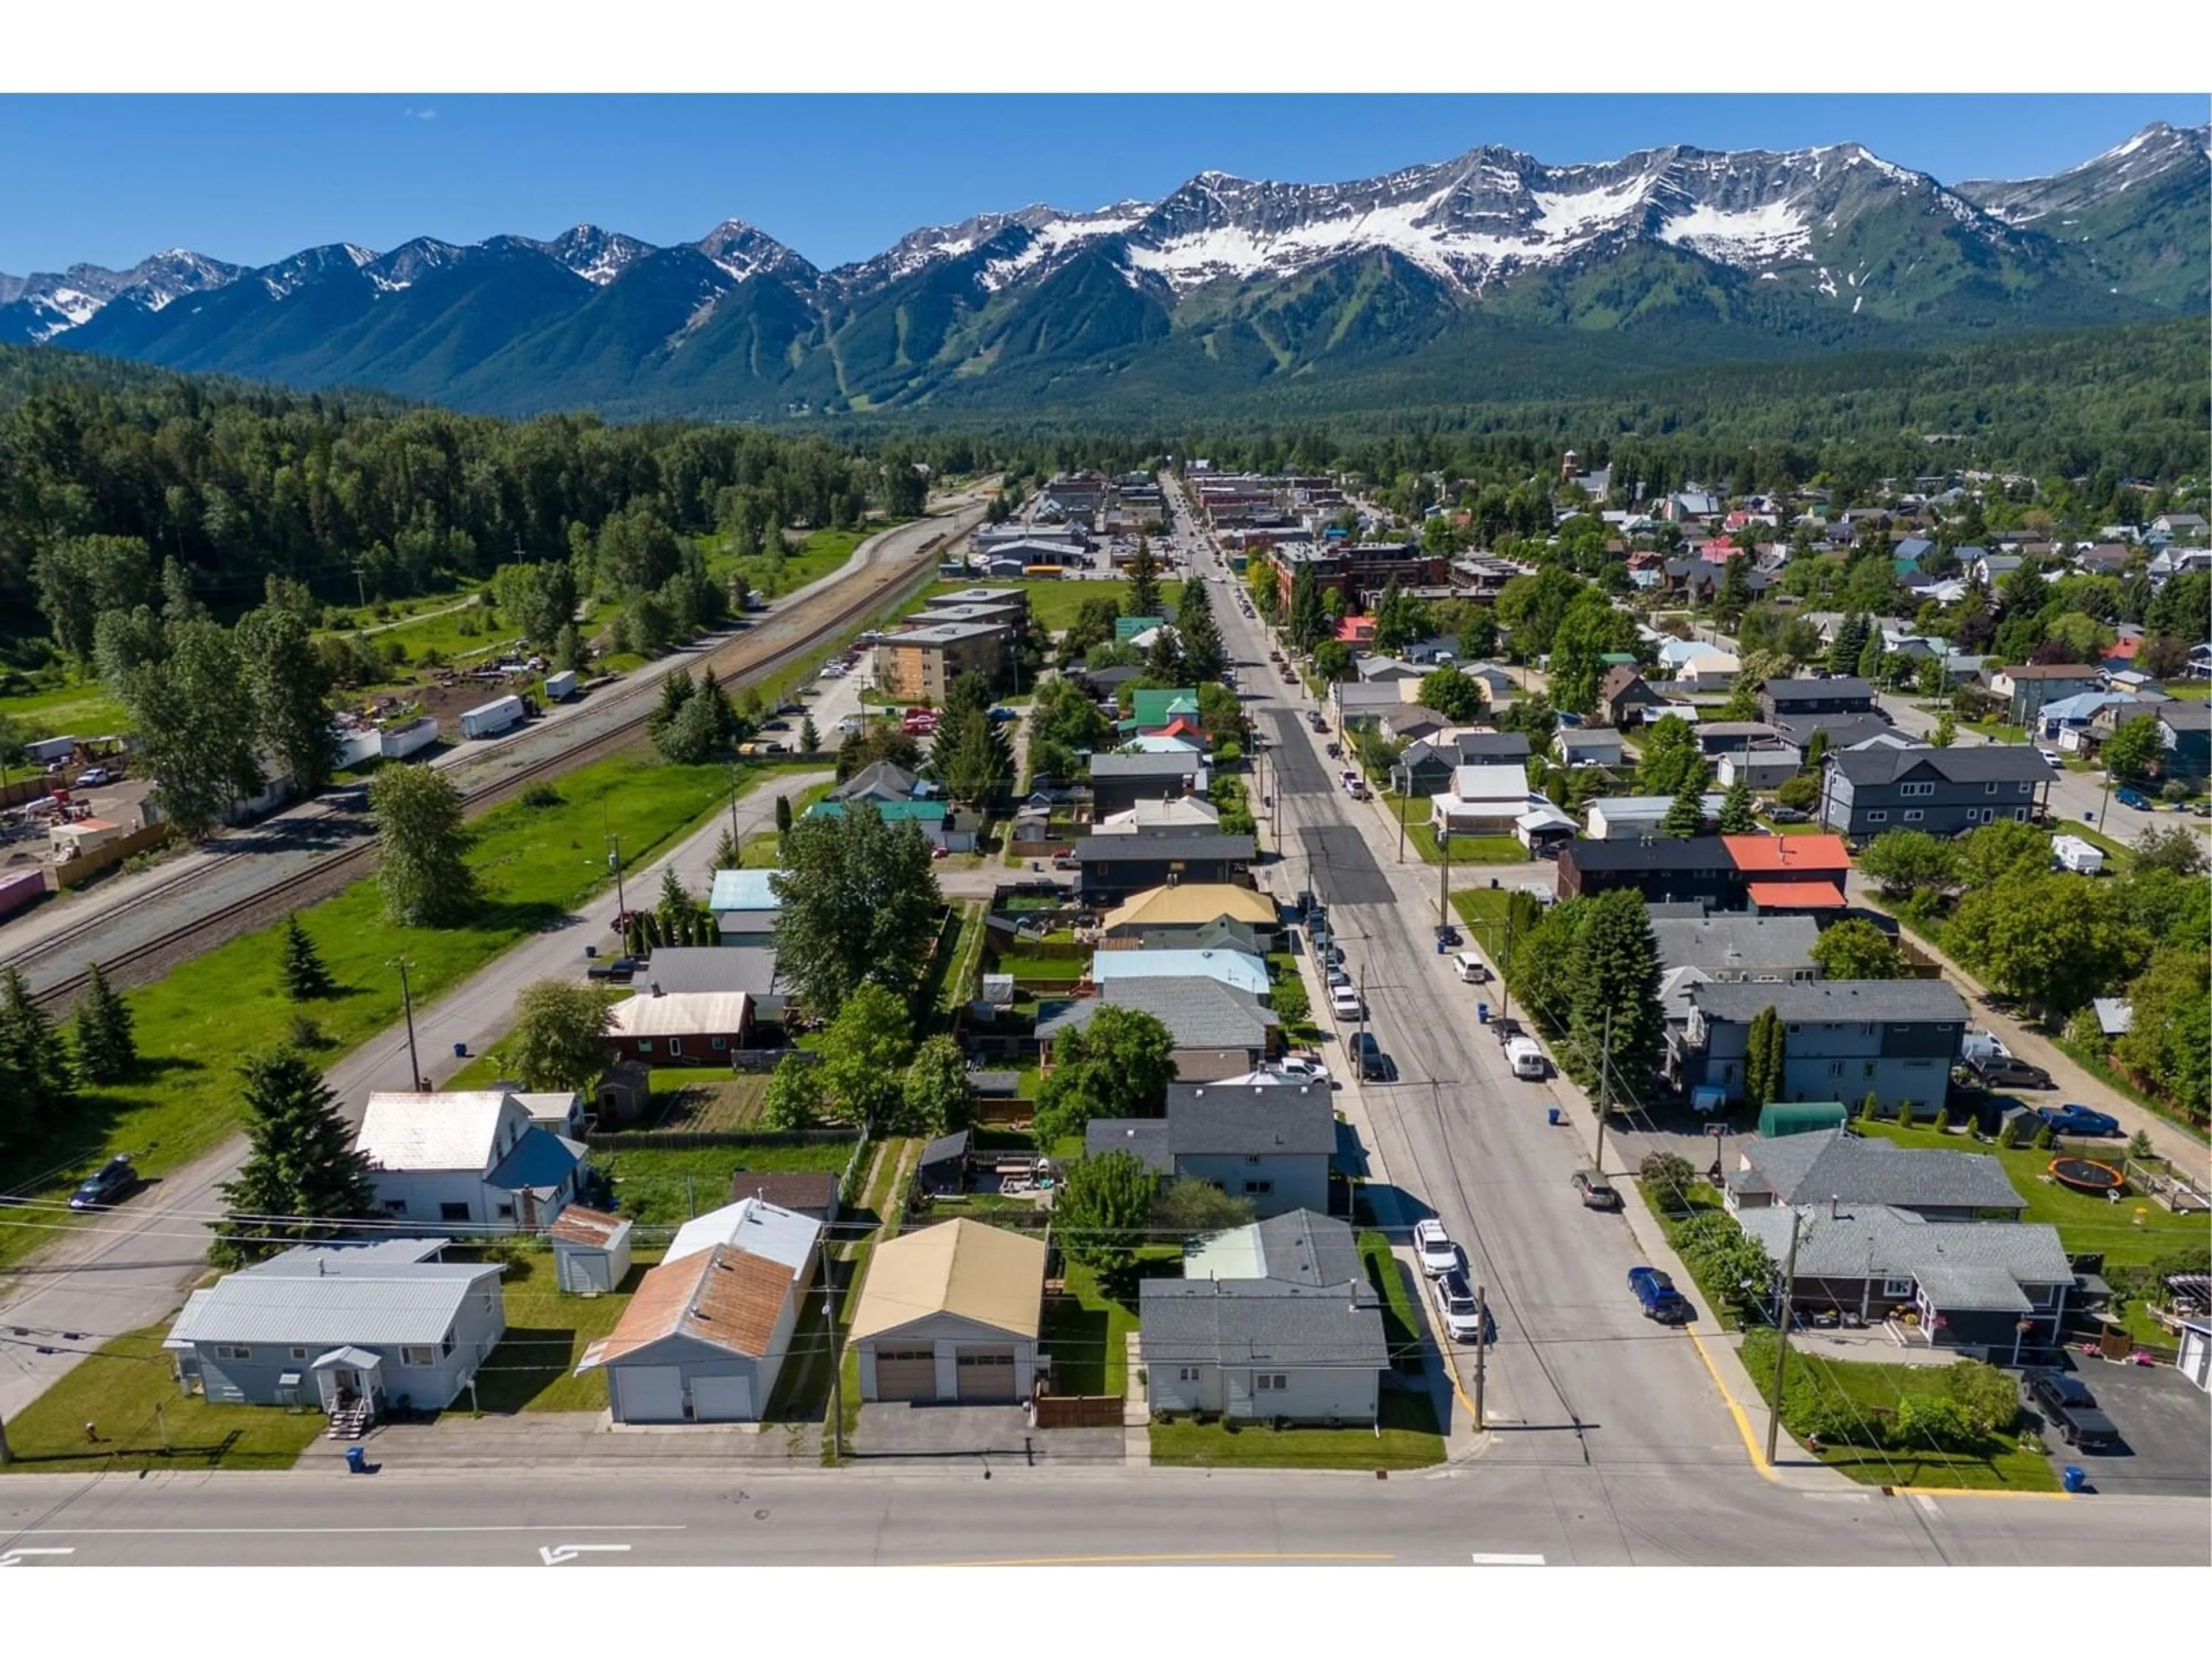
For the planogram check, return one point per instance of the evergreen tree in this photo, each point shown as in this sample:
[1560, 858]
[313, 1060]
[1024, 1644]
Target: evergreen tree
[1616, 974]
[728, 855]
[37, 1084]
[676, 900]
[301, 1173]
[783, 815]
[306, 978]
[1869, 662]
[1203, 655]
[1763, 1059]
[1736, 816]
[676, 691]
[1850, 642]
[1144, 595]
[810, 736]
[1685, 817]
[106, 1049]
[1309, 616]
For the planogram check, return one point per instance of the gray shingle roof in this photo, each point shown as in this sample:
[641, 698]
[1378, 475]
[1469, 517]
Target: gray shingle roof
[1199, 1013]
[1314, 1306]
[1785, 692]
[1811, 1169]
[1275, 1119]
[1147, 1136]
[1843, 729]
[1744, 944]
[1148, 847]
[1916, 1001]
[1148, 764]
[1986, 763]
[1668, 852]
[1965, 1268]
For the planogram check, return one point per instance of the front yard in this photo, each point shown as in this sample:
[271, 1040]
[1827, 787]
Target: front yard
[1407, 1439]
[1413, 811]
[533, 1368]
[128, 1391]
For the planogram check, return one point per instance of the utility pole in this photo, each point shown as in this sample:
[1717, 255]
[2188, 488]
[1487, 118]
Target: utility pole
[837, 1373]
[1782, 1336]
[1481, 1346]
[1604, 1088]
[1444, 877]
[361, 584]
[407, 1005]
[733, 774]
[614, 863]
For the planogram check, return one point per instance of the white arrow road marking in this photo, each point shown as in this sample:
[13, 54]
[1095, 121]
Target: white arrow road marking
[1483, 1560]
[554, 1554]
[16, 1558]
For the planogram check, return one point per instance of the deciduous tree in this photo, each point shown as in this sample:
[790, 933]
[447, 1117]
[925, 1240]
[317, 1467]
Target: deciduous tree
[865, 1054]
[1100, 1213]
[859, 902]
[421, 869]
[1855, 949]
[938, 1095]
[559, 1040]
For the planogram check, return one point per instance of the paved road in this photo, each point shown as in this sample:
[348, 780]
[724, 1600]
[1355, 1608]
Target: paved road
[53, 942]
[742, 1515]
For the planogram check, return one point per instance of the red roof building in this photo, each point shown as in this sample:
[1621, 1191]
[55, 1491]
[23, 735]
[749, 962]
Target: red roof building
[1356, 630]
[1791, 872]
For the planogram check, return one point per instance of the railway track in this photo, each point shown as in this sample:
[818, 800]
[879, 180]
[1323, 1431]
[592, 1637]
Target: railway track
[746, 657]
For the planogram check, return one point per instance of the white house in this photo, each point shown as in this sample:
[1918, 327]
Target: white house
[345, 1329]
[1488, 800]
[1637, 817]
[1275, 1320]
[1239, 969]
[705, 1337]
[471, 1161]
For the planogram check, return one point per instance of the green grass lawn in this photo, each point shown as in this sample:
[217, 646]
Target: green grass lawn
[1482, 907]
[2011, 1463]
[1408, 1440]
[533, 1368]
[1086, 1333]
[1054, 601]
[129, 1389]
[2085, 1224]
[1401, 1319]
[878, 1204]
[960, 982]
[1054, 970]
[82, 709]
[659, 1187]
[1697, 1201]
[449, 630]
[803, 562]
[1413, 811]
[535, 863]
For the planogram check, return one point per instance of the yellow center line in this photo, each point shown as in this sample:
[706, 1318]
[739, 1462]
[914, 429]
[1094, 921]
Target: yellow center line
[1742, 1422]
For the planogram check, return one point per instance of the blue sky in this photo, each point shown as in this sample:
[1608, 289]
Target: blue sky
[252, 178]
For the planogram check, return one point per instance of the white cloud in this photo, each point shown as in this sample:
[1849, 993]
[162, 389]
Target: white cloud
[423, 114]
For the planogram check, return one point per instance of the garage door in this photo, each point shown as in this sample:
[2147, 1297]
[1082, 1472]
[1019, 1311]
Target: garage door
[906, 1374]
[986, 1374]
[722, 1399]
[652, 1394]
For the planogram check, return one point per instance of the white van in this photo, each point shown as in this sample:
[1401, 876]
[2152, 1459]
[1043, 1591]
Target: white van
[1526, 1059]
[1471, 969]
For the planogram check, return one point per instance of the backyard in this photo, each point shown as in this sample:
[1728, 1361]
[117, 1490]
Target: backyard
[533, 1368]
[665, 1187]
[1412, 813]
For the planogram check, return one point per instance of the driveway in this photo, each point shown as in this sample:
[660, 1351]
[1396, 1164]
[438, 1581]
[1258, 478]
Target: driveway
[2166, 1423]
[939, 1434]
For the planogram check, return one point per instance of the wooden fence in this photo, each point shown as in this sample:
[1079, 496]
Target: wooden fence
[1078, 1411]
[68, 873]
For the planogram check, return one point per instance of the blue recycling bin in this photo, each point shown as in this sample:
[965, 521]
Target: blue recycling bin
[1443, 949]
[1551, 1114]
[2074, 1478]
[1482, 1013]
[460, 1051]
[356, 1460]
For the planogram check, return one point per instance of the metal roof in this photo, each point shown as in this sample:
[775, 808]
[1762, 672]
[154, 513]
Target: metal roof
[540, 1161]
[383, 1305]
[725, 1297]
[1193, 902]
[1199, 1013]
[1239, 969]
[743, 889]
[464, 1130]
[760, 1229]
[678, 1013]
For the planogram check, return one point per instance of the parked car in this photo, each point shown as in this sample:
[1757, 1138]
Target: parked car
[92, 777]
[1433, 1245]
[1460, 1314]
[2003, 1071]
[1367, 1054]
[107, 1185]
[2066, 1404]
[2133, 798]
[1334, 974]
[615, 970]
[2075, 1119]
[1789, 815]
[1597, 1193]
[1659, 1297]
[1300, 1067]
[1345, 1002]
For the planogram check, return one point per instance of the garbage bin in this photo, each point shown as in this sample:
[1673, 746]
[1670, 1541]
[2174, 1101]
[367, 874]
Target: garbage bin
[357, 1460]
[2074, 1478]
[1482, 1013]
[460, 1051]
[1443, 949]
[1551, 1114]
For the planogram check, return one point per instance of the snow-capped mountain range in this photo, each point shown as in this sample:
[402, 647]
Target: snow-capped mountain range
[1767, 244]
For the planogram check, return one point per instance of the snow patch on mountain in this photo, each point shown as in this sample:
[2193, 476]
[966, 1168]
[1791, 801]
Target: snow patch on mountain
[1743, 236]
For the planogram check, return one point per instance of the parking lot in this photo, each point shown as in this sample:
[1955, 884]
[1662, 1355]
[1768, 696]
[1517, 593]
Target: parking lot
[2165, 1424]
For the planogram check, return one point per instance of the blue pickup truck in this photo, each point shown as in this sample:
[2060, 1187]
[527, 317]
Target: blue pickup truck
[1661, 1300]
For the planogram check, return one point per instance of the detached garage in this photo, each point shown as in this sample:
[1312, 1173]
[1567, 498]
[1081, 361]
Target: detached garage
[704, 1338]
[950, 1313]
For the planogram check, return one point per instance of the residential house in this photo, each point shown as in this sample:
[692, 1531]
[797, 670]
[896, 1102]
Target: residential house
[1373, 669]
[470, 1160]
[2179, 526]
[2066, 719]
[1708, 670]
[921, 663]
[1364, 703]
[1190, 813]
[1628, 817]
[1623, 697]
[1794, 698]
[1118, 782]
[950, 1312]
[1219, 1030]
[1268, 1143]
[883, 782]
[809, 1193]
[1839, 731]
[2026, 687]
[1275, 1320]
[1866, 791]
[680, 1028]
[1180, 739]
[1426, 767]
[1194, 914]
[1156, 708]
[746, 907]
[1705, 949]
[1996, 1292]
[939, 824]
[1113, 867]
[680, 969]
[351, 1330]
[591, 1250]
[1483, 800]
[1412, 722]
[1791, 874]
[1895, 1039]
[1238, 968]
[705, 1336]
[1749, 752]
[1665, 871]
[1932, 1183]
[1588, 745]
[2184, 738]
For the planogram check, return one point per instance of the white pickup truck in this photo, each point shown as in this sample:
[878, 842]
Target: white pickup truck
[1354, 785]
